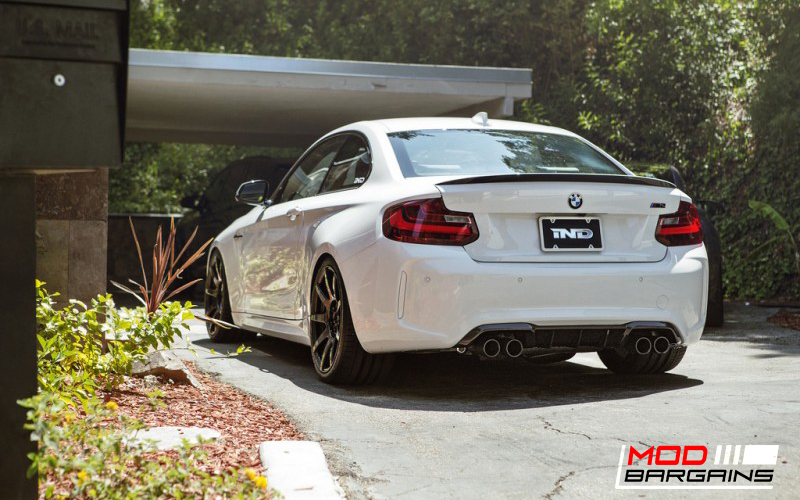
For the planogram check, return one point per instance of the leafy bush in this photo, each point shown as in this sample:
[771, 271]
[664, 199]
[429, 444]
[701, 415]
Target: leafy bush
[785, 231]
[85, 348]
[92, 456]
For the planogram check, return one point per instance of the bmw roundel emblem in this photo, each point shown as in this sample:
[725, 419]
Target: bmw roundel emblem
[575, 200]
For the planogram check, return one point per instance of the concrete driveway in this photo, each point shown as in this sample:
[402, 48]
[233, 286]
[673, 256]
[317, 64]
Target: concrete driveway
[449, 426]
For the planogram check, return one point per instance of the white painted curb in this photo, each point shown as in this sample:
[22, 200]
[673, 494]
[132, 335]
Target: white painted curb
[298, 470]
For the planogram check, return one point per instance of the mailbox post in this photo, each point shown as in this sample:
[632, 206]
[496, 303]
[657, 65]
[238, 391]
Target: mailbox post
[63, 74]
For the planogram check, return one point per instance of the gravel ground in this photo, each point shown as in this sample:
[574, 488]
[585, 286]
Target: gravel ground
[243, 421]
[787, 318]
[448, 426]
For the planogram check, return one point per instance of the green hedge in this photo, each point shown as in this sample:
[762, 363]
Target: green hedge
[712, 86]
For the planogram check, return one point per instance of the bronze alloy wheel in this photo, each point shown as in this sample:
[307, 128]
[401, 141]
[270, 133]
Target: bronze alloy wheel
[327, 317]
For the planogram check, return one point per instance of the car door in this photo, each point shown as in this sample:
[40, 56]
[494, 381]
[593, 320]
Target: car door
[272, 248]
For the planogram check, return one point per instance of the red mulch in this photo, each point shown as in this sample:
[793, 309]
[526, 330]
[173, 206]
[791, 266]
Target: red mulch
[789, 319]
[242, 420]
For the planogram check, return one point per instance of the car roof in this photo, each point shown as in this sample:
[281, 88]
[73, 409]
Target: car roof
[259, 160]
[435, 123]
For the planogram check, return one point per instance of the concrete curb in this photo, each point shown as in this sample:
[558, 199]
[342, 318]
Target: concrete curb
[298, 470]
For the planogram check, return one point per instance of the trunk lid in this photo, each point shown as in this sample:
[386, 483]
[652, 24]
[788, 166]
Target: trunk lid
[508, 209]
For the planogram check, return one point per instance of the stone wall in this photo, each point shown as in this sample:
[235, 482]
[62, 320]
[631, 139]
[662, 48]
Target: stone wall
[71, 233]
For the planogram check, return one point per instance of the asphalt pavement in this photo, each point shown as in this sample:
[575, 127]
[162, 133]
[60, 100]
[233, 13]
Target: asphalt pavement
[449, 426]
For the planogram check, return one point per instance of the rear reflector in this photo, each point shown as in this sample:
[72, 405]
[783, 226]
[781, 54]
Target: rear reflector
[681, 228]
[429, 222]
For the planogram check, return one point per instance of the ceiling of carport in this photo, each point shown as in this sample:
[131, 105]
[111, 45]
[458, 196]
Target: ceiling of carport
[277, 101]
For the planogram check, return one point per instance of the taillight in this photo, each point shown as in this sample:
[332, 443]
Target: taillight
[681, 228]
[429, 222]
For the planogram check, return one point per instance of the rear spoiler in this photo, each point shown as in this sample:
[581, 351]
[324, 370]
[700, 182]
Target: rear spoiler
[606, 178]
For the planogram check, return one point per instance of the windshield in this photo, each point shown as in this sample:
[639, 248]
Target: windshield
[495, 152]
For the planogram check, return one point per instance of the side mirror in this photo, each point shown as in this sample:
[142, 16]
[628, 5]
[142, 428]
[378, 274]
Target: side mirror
[252, 193]
[190, 201]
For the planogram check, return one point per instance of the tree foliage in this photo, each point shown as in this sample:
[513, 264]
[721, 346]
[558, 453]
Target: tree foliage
[711, 86]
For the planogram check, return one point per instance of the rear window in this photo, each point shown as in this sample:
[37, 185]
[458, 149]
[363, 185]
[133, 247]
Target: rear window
[495, 152]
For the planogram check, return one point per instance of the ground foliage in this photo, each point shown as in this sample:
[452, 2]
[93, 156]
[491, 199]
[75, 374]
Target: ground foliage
[89, 454]
[84, 359]
[83, 348]
[710, 86]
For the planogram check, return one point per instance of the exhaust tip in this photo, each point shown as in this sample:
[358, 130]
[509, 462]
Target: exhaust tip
[491, 348]
[661, 345]
[643, 345]
[514, 348]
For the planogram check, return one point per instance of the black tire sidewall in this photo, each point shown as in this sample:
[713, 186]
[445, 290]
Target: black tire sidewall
[218, 334]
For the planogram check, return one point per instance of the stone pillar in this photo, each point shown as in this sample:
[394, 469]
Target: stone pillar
[71, 233]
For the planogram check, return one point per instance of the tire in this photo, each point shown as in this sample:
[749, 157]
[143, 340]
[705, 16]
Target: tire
[629, 362]
[715, 316]
[714, 311]
[549, 359]
[218, 304]
[336, 353]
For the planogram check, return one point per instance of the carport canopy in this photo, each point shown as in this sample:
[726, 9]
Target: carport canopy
[279, 101]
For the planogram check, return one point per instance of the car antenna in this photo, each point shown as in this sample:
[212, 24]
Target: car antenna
[481, 118]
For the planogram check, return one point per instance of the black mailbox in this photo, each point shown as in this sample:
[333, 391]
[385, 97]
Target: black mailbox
[63, 75]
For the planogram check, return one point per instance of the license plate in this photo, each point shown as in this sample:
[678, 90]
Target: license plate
[570, 234]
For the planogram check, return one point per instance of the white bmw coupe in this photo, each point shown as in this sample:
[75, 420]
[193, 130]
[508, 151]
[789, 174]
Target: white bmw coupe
[495, 238]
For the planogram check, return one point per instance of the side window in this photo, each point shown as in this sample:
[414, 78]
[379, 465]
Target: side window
[215, 193]
[350, 168]
[307, 177]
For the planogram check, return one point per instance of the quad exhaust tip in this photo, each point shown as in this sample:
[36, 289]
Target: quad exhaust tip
[643, 345]
[661, 345]
[491, 348]
[514, 348]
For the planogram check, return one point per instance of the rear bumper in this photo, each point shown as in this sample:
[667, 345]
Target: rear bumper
[420, 297]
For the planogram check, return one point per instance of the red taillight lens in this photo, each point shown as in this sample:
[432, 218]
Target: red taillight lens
[681, 228]
[429, 222]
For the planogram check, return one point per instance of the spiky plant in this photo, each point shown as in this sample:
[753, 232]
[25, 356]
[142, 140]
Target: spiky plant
[167, 268]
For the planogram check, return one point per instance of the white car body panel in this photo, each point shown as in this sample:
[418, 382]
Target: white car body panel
[407, 297]
[510, 230]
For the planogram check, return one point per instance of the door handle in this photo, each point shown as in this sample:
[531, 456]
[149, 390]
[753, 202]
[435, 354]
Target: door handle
[237, 236]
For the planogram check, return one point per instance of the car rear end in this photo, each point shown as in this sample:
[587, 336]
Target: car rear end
[564, 251]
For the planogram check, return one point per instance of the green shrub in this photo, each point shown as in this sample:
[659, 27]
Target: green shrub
[83, 348]
[91, 457]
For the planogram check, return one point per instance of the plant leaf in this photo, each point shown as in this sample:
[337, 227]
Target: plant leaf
[186, 246]
[218, 322]
[126, 289]
[770, 213]
[138, 250]
[764, 245]
[184, 287]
